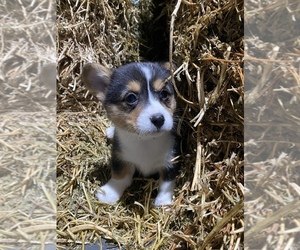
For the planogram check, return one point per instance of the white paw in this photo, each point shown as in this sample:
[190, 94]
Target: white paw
[163, 199]
[110, 131]
[112, 191]
[165, 193]
[107, 194]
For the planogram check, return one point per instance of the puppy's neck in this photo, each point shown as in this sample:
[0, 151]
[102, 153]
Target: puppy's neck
[147, 153]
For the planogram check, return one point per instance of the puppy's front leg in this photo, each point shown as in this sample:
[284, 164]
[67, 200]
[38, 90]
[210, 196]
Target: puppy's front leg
[121, 178]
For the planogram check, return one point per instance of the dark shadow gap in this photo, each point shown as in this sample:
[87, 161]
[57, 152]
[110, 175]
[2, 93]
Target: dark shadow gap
[154, 34]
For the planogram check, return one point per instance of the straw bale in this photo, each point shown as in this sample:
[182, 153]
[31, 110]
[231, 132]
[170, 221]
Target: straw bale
[272, 92]
[27, 126]
[24, 54]
[27, 207]
[207, 49]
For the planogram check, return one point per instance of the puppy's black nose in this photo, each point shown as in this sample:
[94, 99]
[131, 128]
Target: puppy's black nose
[158, 120]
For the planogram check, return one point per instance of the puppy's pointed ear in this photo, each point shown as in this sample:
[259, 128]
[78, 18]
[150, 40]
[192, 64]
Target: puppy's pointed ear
[96, 78]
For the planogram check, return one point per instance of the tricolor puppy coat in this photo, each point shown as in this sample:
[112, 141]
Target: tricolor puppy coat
[140, 102]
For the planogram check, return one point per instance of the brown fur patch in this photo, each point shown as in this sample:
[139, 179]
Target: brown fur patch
[132, 118]
[171, 105]
[167, 66]
[134, 86]
[158, 84]
[123, 119]
[125, 170]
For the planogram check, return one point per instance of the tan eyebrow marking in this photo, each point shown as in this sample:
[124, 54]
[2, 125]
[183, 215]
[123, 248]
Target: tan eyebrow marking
[158, 84]
[134, 86]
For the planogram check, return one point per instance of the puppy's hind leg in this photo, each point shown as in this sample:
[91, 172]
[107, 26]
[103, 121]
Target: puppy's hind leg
[112, 191]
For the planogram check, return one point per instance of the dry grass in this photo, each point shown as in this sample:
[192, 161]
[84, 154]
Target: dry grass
[272, 128]
[23, 53]
[208, 50]
[207, 47]
[27, 210]
[207, 210]
[27, 127]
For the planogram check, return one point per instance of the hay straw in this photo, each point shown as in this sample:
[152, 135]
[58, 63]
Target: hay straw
[282, 212]
[208, 77]
[272, 146]
[27, 208]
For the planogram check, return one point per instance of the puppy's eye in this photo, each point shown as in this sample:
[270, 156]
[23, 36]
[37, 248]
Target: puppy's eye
[131, 99]
[164, 95]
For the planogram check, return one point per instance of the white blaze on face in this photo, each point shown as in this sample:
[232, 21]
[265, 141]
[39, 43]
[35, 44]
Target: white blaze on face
[152, 108]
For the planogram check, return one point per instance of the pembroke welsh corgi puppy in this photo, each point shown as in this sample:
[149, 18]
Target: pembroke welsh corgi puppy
[140, 102]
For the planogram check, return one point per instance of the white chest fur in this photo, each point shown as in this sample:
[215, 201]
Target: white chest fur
[149, 154]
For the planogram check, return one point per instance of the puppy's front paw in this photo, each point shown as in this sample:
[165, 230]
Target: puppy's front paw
[163, 199]
[107, 194]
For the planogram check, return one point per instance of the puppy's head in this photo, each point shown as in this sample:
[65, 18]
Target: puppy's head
[137, 96]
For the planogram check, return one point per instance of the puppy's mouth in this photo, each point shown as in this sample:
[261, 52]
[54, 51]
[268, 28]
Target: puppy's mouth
[153, 133]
